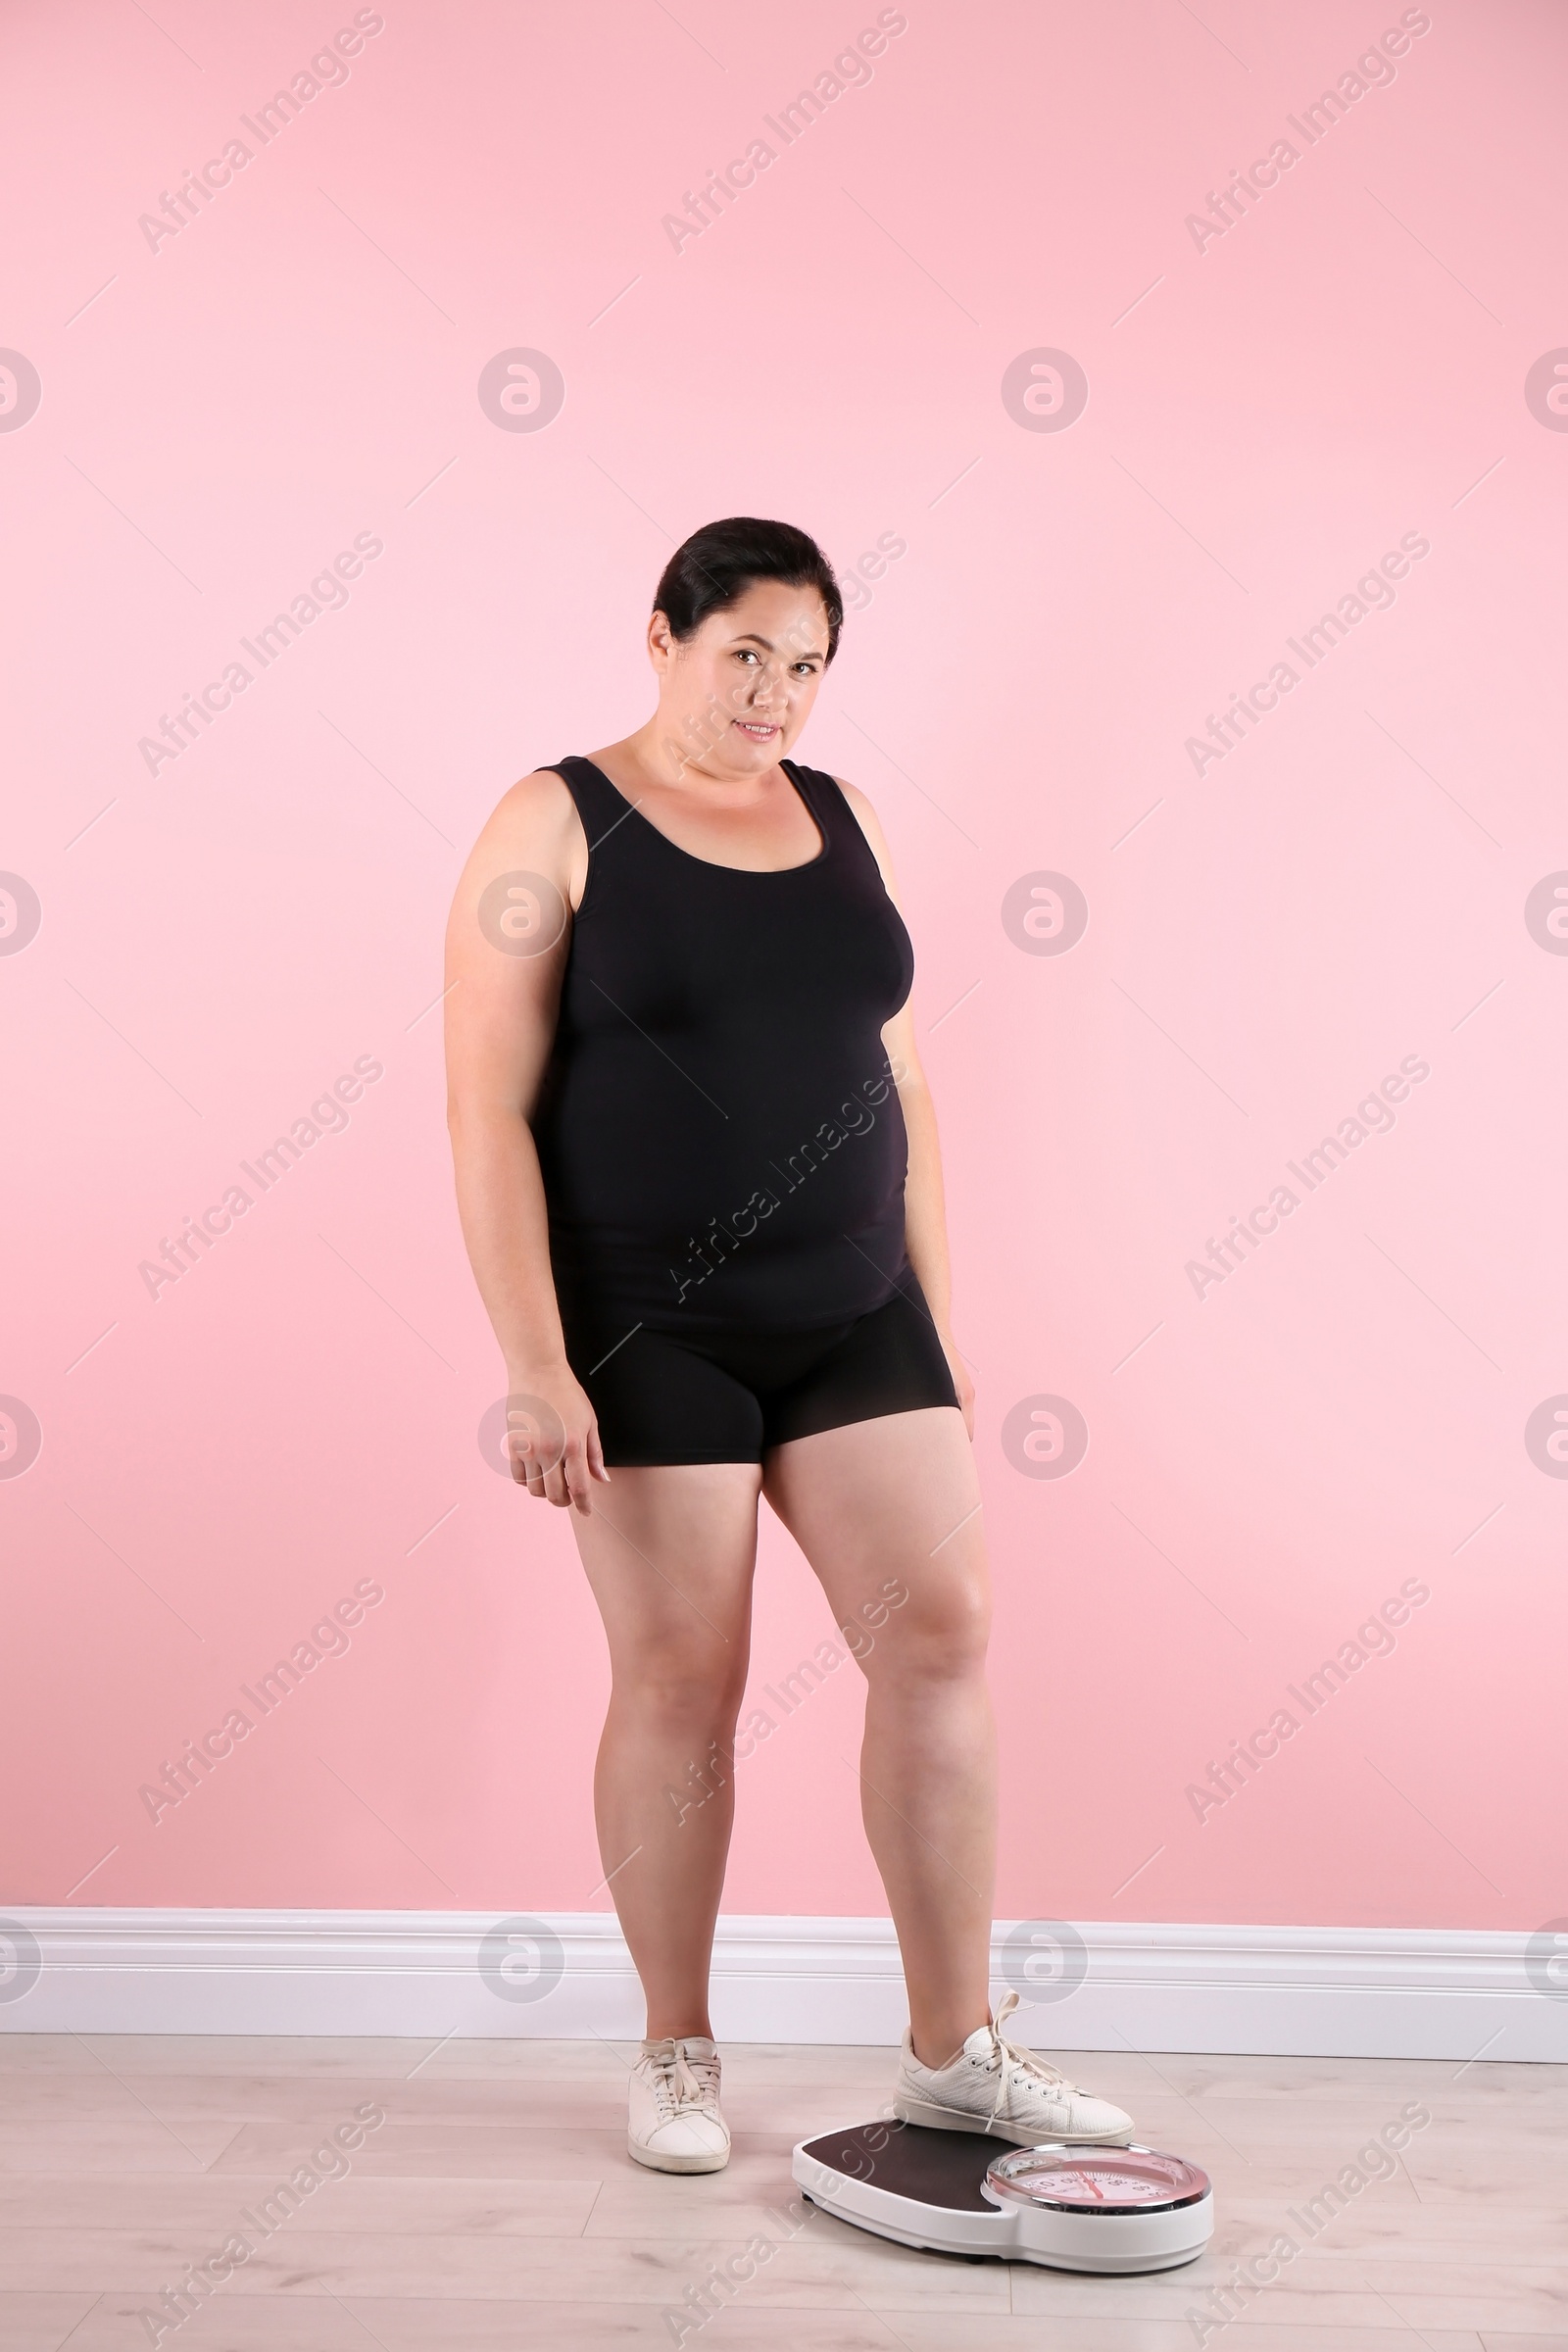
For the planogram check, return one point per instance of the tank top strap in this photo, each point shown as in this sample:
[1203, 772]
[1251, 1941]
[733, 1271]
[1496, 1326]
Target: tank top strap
[600, 806]
[824, 797]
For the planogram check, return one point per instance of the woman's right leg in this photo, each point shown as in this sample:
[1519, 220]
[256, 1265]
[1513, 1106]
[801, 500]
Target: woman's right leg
[670, 1554]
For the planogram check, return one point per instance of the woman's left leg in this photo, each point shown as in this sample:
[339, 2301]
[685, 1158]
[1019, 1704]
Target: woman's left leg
[887, 1512]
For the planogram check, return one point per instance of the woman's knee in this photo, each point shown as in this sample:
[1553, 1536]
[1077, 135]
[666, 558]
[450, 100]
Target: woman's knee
[938, 1634]
[683, 1683]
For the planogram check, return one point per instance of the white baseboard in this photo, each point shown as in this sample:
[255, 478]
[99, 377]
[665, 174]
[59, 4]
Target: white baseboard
[1371, 1993]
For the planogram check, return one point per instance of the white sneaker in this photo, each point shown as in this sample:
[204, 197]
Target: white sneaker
[675, 2124]
[993, 2085]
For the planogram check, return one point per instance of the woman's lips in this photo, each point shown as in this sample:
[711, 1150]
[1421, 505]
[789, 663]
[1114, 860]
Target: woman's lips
[759, 731]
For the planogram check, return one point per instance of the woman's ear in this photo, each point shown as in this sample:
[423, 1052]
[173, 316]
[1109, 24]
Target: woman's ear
[661, 642]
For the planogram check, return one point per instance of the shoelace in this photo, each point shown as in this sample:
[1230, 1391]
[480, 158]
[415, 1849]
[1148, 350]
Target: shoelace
[680, 2082]
[1010, 2055]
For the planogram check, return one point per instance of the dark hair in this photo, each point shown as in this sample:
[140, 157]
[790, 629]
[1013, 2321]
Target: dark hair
[716, 565]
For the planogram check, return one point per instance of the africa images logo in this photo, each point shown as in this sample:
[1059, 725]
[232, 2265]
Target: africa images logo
[21, 1437]
[1045, 1437]
[1546, 390]
[1045, 390]
[21, 913]
[20, 390]
[1546, 1436]
[1546, 912]
[1044, 913]
[521, 390]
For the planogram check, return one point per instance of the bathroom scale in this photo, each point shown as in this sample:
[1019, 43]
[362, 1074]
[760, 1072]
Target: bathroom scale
[1071, 2208]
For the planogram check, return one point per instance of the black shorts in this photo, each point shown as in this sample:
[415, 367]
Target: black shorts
[666, 1397]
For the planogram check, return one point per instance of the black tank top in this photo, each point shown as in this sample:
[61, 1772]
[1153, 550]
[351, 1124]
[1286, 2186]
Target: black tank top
[721, 1140]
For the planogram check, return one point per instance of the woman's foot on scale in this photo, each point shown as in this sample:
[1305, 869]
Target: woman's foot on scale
[994, 2085]
[674, 2123]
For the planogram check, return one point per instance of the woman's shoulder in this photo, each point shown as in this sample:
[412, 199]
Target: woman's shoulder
[534, 827]
[541, 800]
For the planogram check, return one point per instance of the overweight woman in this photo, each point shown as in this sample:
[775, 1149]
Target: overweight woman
[698, 1176]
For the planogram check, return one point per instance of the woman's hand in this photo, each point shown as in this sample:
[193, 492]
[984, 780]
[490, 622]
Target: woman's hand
[961, 1379]
[553, 1436]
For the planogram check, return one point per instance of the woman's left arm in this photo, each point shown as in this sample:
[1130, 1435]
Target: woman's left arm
[924, 1208]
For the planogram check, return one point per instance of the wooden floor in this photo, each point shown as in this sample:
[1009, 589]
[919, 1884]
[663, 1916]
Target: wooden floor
[495, 2206]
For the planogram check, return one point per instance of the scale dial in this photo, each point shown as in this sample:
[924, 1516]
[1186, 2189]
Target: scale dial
[1088, 2179]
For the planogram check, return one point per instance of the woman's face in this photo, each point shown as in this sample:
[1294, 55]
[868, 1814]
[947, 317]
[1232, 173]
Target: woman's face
[733, 698]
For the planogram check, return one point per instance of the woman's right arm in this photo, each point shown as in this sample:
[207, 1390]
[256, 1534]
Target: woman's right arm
[506, 944]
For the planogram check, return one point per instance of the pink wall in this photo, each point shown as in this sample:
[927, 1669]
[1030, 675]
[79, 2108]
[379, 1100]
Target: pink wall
[1270, 410]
